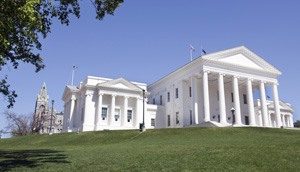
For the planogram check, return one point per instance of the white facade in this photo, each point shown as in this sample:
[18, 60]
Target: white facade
[204, 91]
[201, 93]
[101, 103]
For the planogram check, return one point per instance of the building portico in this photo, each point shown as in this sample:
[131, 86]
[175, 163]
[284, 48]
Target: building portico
[216, 83]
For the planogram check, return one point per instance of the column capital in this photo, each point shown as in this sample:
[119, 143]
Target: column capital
[126, 97]
[235, 76]
[222, 74]
[205, 71]
[113, 95]
[88, 94]
[275, 83]
[73, 98]
[264, 82]
[250, 79]
[100, 94]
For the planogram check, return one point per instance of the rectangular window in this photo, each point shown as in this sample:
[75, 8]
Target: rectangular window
[104, 113]
[160, 100]
[169, 120]
[152, 122]
[190, 91]
[191, 117]
[218, 95]
[129, 115]
[176, 92]
[232, 100]
[117, 114]
[246, 120]
[177, 117]
[168, 96]
[153, 101]
[245, 98]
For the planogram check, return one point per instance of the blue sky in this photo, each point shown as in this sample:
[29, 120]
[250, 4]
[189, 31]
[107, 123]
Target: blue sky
[146, 40]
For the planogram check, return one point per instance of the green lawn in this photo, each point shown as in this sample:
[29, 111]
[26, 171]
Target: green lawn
[187, 149]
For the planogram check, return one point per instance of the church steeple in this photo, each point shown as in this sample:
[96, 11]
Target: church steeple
[43, 98]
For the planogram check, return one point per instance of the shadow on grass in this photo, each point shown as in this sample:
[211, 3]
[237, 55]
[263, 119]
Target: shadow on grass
[10, 159]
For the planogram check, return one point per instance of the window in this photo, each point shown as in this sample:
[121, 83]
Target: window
[153, 101]
[245, 98]
[169, 120]
[232, 100]
[160, 100]
[191, 117]
[104, 113]
[168, 96]
[152, 122]
[177, 117]
[129, 115]
[117, 114]
[218, 95]
[190, 91]
[176, 91]
[246, 120]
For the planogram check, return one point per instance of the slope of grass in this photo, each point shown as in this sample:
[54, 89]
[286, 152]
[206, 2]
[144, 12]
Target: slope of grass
[187, 149]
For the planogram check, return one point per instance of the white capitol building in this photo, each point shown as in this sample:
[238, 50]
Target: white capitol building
[213, 90]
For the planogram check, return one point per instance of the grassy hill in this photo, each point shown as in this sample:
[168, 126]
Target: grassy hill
[187, 149]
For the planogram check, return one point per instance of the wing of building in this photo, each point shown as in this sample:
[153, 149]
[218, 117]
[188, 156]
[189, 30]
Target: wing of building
[213, 90]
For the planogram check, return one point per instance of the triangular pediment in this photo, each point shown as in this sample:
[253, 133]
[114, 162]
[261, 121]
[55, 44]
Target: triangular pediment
[69, 89]
[120, 83]
[241, 57]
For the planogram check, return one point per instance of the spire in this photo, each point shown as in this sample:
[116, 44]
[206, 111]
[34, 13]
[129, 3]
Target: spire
[43, 91]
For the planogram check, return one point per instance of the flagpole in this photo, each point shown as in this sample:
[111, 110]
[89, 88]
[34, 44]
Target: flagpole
[201, 51]
[191, 52]
[72, 74]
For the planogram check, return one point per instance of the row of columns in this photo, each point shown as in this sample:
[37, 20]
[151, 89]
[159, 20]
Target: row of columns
[88, 119]
[111, 115]
[235, 88]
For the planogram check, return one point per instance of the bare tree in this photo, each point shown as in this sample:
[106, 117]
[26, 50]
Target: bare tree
[18, 125]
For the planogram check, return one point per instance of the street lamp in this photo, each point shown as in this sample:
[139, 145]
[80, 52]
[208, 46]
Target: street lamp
[142, 125]
[232, 111]
[51, 118]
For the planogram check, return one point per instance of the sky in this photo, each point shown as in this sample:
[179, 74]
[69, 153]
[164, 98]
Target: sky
[146, 40]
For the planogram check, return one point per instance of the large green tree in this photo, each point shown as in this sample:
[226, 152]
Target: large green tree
[23, 21]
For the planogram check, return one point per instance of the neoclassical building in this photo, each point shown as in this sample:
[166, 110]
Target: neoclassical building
[102, 103]
[213, 90]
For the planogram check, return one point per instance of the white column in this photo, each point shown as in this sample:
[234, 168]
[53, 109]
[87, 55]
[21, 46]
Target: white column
[263, 104]
[270, 120]
[260, 119]
[236, 99]
[99, 110]
[194, 100]
[71, 112]
[250, 102]
[222, 105]
[206, 96]
[291, 121]
[276, 104]
[137, 112]
[86, 109]
[124, 116]
[283, 120]
[112, 109]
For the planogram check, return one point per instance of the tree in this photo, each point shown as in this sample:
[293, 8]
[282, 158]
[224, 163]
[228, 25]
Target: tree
[297, 124]
[18, 125]
[23, 21]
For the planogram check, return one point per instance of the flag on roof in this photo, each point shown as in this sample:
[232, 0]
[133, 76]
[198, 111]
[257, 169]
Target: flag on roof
[192, 48]
[203, 51]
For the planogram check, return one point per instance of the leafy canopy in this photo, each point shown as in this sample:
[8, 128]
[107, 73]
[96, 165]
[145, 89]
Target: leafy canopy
[23, 21]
